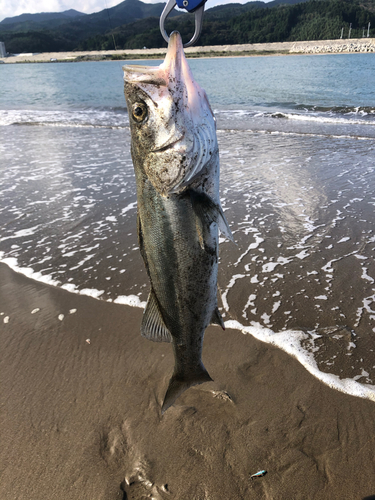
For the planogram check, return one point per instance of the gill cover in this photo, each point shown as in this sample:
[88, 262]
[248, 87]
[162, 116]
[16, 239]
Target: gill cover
[179, 121]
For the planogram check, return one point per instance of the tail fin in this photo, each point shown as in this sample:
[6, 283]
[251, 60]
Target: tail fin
[180, 383]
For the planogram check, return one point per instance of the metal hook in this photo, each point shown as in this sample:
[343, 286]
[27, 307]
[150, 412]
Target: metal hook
[198, 11]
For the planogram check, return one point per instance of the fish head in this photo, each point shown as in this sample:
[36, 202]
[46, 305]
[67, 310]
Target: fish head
[172, 125]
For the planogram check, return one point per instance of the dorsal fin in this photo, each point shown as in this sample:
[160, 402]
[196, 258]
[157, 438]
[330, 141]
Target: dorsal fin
[153, 326]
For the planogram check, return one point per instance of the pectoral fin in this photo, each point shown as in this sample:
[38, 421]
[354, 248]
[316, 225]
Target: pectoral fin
[153, 326]
[207, 211]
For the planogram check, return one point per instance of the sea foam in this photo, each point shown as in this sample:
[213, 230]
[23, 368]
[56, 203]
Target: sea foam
[289, 340]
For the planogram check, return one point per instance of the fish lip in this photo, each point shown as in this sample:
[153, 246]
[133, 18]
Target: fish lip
[169, 144]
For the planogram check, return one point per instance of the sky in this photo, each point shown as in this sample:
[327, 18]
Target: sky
[11, 8]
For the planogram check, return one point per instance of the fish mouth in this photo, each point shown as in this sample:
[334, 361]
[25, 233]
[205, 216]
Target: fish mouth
[146, 75]
[169, 144]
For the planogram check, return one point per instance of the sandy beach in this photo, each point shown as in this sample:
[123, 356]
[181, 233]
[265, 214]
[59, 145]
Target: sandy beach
[81, 392]
[338, 46]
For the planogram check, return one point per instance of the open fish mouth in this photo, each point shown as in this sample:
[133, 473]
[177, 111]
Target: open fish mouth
[169, 144]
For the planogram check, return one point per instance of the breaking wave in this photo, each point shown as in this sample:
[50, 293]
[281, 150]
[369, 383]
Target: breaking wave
[102, 117]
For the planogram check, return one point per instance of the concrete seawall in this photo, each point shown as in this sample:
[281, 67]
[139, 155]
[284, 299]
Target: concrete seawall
[360, 45]
[334, 46]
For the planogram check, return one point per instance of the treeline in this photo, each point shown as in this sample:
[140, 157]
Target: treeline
[313, 20]
[36, 41]
[227, 24]
[62, 31]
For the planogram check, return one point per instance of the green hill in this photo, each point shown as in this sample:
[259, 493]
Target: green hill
[56, 32]
[310, 20]
[43, 16]
[36, 19]
[133, 25]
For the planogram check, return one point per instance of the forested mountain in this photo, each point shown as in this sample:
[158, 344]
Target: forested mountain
[134, 24]
[43, 16]
[310, 20]
[99, 22]
[36, 34]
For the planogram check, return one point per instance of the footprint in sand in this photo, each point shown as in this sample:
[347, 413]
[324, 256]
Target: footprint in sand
[118, 450]
[137, 487]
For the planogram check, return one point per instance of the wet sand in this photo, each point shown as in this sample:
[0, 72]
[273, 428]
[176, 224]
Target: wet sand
[82, 420]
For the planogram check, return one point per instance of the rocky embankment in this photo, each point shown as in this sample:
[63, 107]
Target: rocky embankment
[334, 46]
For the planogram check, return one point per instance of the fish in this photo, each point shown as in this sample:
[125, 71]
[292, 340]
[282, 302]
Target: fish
[176, 163]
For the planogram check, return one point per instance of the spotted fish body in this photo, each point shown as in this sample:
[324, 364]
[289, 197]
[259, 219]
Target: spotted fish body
[176, 162]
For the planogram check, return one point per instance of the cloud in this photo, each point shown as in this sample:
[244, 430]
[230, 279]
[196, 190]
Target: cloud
[16, 7]
[11, 8]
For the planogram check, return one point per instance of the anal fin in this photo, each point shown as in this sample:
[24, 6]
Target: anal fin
[153, 326]
[217, 319]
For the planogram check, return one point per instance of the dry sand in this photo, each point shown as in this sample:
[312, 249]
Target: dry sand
[81, 421]
[251, 49]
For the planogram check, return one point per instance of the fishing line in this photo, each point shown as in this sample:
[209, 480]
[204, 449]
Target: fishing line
[110, 25]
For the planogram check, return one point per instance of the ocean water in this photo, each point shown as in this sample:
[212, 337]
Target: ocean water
[297, 148]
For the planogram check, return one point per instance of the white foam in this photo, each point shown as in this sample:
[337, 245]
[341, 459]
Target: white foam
[302, 255]
[252, 246]
[130, 300]
[326, 119]
[275, 306]
[128, 207]
[290, 342]
[65, 118]
[233, 280]
[365, 276]
[45, 278]
[269, 267]
[22, 232]
[28, 271]
[91, 292]
[69, 287]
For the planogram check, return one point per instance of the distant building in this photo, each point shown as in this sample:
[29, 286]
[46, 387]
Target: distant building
[3, 52]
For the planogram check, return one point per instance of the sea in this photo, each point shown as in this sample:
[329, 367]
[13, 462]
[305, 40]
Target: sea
[297, 150]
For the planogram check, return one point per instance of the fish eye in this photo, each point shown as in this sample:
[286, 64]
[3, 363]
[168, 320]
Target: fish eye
[139, 112]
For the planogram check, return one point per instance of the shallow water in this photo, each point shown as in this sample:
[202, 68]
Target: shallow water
[297, 185]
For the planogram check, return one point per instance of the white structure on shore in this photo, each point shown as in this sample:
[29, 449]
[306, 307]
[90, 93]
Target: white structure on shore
[3, 52]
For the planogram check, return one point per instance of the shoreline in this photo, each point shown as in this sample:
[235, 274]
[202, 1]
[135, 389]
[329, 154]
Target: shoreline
[288, 341]
[340, 46]
[81, 412]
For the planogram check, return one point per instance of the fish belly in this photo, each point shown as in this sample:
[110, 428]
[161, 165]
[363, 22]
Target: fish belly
[182, 274]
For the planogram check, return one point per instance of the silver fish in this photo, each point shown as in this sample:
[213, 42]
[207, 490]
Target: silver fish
[176, 162]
